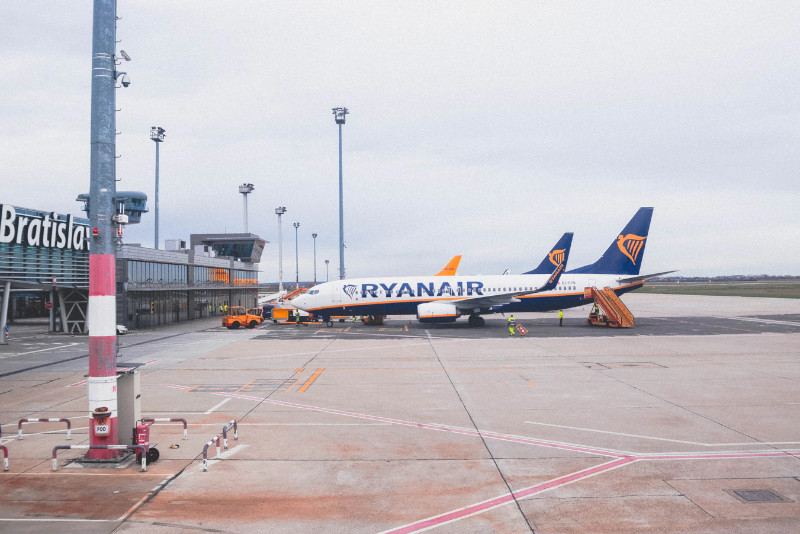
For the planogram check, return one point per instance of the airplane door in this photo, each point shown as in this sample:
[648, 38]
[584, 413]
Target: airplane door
[337, 294]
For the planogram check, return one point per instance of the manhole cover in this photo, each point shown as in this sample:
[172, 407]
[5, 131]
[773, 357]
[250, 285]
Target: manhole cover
[757, 496]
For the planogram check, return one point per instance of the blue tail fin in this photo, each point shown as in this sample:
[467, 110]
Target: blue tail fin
[625, 254]
[558, 254]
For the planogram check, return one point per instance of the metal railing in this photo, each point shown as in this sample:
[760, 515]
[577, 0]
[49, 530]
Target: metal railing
[53, 420]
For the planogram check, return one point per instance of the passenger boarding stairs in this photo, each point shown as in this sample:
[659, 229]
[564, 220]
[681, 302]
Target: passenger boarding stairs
[615, 313]
[293, 294]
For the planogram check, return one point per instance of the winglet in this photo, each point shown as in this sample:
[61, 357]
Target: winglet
[451, 267]
[552, 282]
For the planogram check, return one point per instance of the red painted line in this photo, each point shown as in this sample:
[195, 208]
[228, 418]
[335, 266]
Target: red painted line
[505, 499]
[561, 481]
[620, 460]
[428, 426]
[712, 456]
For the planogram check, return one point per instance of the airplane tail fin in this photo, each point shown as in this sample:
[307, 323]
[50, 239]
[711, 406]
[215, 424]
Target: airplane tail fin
[557, 255]
[451, 267]
[625, 254]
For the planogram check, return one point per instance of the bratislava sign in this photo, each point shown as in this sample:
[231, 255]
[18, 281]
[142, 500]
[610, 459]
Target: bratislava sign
[45, 230]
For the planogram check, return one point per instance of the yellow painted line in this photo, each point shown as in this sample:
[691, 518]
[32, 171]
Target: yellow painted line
[299, 370]
[244, 386]
[531, 383]
[192, 389]
[348, 328]
[381, 329]
[311, 380]
[406, 328]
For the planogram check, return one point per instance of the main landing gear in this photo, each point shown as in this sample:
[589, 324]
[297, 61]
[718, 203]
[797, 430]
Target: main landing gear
[476, 320]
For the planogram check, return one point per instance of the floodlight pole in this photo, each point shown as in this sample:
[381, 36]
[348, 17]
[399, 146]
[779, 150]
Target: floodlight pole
[157, 134]
[280, 211]
[327, 278]
[296, 265]
[314, 237]
[102, 307]
[340, 117]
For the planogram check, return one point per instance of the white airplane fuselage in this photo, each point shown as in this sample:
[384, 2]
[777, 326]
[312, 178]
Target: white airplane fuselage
[464, 294]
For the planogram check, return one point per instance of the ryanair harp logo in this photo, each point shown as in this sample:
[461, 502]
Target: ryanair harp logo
[556, 256]
[350, 290]
[631, 245]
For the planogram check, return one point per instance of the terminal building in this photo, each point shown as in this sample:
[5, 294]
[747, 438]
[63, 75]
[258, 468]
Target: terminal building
[44, 272]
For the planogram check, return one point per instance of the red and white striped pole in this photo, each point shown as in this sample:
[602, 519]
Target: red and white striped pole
[102, 313]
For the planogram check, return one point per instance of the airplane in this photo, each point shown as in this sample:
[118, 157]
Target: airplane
[618, 268]
[272, 299]
[433, 300]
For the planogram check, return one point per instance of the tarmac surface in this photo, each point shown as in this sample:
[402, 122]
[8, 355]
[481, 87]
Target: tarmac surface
[687, 422]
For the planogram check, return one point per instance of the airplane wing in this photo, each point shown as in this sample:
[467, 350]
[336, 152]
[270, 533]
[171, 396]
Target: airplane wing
[507, 298]
[637, 279]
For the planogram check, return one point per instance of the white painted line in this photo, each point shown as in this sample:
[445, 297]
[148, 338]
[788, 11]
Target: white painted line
[759, 320]
[217, 406]
[40, 350]
[751, 443]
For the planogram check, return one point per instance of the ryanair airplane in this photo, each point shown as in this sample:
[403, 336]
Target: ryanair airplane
[433, 299]
[444, 300]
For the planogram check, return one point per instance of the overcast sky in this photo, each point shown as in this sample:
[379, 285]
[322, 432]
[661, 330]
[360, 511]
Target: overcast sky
[478, 128]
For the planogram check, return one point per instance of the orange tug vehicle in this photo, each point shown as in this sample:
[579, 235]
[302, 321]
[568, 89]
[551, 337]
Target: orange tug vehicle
[241, 317]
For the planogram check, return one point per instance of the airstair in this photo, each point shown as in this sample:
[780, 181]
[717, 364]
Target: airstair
[293, 294]
[615, 313]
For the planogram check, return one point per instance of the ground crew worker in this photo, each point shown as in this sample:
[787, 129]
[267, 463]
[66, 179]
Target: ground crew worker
[220, 308]
[512, 324]
[560, 317]
[226, 307]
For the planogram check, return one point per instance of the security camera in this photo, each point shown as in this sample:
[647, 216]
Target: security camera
[125, 56]
[125, 81]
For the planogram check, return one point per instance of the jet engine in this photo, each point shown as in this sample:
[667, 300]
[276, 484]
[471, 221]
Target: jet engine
[437, 312]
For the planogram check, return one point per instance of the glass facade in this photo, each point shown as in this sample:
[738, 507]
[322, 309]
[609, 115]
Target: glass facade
[36, 246]
[47, 255]
[158, 293]
[39, 265]
[152, 274]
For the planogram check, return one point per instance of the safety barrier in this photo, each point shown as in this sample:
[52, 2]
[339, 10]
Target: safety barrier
[169, 420]
[225, 433]
[139, 448]
[205, 451]
[61, 420]
[5, 457]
